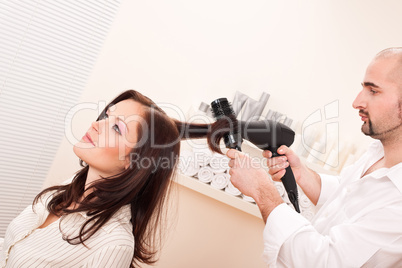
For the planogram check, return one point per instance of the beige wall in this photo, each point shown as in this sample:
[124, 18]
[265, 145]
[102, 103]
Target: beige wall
[306, 54]
[207, 233]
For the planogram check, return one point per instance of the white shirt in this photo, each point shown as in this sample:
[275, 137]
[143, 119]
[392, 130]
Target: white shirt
[27, 246]
[359, 224]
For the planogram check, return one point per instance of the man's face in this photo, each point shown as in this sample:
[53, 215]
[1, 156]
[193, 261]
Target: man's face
[379, 102]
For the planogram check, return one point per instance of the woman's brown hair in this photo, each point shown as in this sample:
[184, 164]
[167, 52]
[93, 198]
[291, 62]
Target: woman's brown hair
[144, 188]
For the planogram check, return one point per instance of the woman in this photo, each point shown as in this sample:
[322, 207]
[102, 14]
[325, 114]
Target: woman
[107, 215]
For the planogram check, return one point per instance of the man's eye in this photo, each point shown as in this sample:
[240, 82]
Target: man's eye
[116, 128]
[373, 91]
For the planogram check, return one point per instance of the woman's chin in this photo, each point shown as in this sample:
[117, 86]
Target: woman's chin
[80, 148]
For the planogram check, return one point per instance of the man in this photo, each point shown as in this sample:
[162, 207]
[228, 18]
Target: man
[360, 221]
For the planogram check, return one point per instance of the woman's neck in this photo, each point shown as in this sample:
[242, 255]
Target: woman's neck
[92, 176]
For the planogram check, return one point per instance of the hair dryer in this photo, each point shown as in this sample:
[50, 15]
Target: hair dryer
[265, 134]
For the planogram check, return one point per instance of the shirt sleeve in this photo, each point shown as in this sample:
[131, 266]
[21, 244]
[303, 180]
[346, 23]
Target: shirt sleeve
[1, 243]
[281, 224]
[329, 184]
[291, 241]
[112, 257]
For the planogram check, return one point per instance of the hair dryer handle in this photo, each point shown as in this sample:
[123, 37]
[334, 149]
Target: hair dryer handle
[289, 182]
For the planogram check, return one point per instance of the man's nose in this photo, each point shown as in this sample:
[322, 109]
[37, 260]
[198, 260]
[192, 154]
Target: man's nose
[359, 103]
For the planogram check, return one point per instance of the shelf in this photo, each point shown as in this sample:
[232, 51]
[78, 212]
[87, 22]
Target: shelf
[235, 201]
[220, 195]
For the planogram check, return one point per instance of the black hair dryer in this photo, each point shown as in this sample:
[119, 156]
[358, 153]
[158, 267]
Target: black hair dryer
[265, 134]
[270, 135]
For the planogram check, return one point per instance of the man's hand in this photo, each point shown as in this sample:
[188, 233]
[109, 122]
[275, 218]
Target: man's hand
[252, 180]
[277, 165]
[307, 179]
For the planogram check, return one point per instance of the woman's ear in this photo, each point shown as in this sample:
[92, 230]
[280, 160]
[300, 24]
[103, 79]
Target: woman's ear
[127, 163]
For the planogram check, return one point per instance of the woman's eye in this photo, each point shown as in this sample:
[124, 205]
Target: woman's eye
[116, 128]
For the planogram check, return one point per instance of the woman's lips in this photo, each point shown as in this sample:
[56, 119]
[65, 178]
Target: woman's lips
[87, 138]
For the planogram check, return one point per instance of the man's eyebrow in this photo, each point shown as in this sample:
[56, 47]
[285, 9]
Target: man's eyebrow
[369, 84]
[119, 119]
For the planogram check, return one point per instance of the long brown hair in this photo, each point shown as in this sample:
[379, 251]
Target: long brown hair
[144, 188]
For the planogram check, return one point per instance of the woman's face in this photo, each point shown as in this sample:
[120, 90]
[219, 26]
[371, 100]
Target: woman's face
[107, 144]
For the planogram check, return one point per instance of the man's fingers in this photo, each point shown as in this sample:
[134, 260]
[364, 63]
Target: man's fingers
[236, 157]
[283, 149]
[275, 168]
[266, 154]
[279, 160]
[232, 153]
[277, 172]
[231, 163]
[278, 175]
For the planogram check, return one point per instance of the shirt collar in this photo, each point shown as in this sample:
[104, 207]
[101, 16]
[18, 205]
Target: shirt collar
[123, 215]
[393, 173]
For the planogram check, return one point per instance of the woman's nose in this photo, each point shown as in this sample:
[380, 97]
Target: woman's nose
[95, 125]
